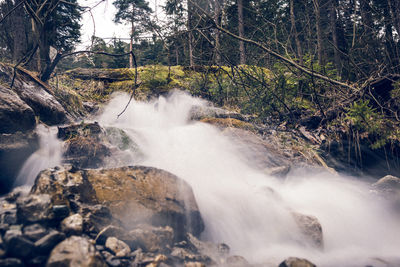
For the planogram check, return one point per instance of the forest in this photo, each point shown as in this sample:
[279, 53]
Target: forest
[222, 133]
[324, 55]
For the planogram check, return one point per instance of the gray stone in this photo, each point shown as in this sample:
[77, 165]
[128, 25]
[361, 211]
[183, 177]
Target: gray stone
[15, 114]
[75, 251]
[34, 231]
[389, 186]
[296, 262]
[120, 248]
[37, 261]
[110, 231]
[72, 224]
[35, 208]
[237, 261]
[60, 211]
[152, 239]
[48, 242]
[20, 247]
[11, 262]
[10, 234]
[311, 228]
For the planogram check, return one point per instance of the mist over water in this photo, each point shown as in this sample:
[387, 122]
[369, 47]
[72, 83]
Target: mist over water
[48, 155]
[249, 210]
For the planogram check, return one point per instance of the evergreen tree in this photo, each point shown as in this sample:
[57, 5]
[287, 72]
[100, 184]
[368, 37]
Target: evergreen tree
[136, 13]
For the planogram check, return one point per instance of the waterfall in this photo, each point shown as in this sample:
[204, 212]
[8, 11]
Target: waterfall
[249, 210]
[48, 155]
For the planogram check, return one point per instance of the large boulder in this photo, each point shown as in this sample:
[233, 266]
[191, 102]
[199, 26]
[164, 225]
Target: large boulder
[134, 195]
[389, 188]
[311, 229]
[15, 114]
[36, 95]
[75, 251]
[85, 145]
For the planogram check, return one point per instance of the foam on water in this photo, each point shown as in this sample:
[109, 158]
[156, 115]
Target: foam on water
[249, 210]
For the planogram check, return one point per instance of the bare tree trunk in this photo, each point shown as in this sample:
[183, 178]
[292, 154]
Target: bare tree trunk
[294, 31]
[131, 39]
[217, 20]
[319, 31]
[336, 51]
[190, 34]
[18, 32]
[241, 32]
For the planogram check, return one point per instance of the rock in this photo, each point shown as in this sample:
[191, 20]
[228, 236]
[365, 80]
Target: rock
[134, 195]
[35, 208]
[75, 251]
[9, 234]
[259, 153]
[86, 145]
[296, 262]
[34, 232]
[2, 253]
[152, 239]
[237, 261]
[111, 231]
[20, 247]
[96, 217]
[15, 114]
[388, 185]
[72, 224]
[183, 255]
[48, 242]
[15, 148]
[279, 171]
[37, 261]
[120, 248]
[60, 211]
[194, 264]
[11, 262]
[310, 228]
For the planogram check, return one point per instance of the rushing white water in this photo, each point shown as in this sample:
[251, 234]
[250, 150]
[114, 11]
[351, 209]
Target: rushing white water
[249, 210]
[48, 155]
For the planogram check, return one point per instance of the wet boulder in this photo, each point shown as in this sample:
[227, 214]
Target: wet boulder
[118, 247]
[389, 188]
[72, 224]
[34, 208]
[85, 145]
[75, 251]
[311, 228]
[152, 239]
[134, 195]
[296, 262]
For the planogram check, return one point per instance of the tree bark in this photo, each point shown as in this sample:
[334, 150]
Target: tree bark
[241, 32]
[131, 39]
[19, 34]
[217, 20]
[335, 41]
[317, 11]
[190, 33]
[295, 33]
